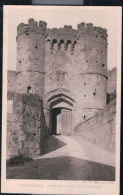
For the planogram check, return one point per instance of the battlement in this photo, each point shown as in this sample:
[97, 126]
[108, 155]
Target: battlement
[94, 32]
[65, 34]
[62, 36]
[32, 27]
[68, 34]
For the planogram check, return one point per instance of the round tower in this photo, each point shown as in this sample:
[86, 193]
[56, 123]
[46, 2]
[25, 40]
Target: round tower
[92, 57]
[31, 57]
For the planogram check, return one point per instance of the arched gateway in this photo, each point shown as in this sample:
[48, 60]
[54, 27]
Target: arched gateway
[61, 104]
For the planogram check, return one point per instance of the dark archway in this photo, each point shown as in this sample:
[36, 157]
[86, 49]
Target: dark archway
[61, 103]
[55, 113]
[61, 121]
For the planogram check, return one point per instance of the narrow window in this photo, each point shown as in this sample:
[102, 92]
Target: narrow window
[36, 46]
[94, 93]
[84, 116]
[103, 65]
[63, 76]
[28, 89]
[58, 75]
[27, 33]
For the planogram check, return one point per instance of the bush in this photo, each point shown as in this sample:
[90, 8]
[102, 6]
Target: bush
[16, 160]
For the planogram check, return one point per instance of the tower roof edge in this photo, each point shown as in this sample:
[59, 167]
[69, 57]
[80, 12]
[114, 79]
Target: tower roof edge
[32, 27]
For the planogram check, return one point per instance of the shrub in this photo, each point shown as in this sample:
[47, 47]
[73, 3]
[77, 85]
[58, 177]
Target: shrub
[16, 160]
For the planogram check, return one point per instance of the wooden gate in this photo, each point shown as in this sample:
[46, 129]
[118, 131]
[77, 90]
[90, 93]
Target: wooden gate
[66, 121]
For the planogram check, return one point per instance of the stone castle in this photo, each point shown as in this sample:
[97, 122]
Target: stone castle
[61, 86]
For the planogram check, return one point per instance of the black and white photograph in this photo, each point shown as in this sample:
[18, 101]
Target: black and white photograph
[61, 80]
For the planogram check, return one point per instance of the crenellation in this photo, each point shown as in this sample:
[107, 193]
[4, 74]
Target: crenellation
[32, 27]
[96, 33]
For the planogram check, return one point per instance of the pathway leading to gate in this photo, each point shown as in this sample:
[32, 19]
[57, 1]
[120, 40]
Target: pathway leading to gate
[68, 158]
[78, 147]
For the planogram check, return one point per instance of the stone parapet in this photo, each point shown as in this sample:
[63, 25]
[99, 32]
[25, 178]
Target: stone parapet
[88, 30]
[100, 128]
[32, 27]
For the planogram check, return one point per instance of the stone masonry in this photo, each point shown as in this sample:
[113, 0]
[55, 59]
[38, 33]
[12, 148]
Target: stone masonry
[59, 69]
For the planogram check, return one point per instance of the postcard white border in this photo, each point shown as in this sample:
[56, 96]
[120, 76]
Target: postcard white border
[59, 186]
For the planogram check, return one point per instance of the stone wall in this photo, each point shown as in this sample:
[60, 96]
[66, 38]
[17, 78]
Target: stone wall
[112, 80]
[26, 126]
[49, 61]
[111, 84]
[101, 128]
[31, 57]
[77, 60]
[11, 81]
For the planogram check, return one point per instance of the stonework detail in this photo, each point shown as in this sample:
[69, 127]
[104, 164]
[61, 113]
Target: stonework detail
[27, 128]
[111, 84]
[100, 129]
[57, 69]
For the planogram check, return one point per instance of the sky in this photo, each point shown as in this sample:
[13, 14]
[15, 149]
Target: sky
[58, 16]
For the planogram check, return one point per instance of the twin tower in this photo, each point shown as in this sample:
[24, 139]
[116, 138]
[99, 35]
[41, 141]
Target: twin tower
[66, 67]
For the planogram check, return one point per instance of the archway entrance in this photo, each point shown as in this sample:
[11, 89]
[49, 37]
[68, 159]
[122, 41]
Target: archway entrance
[61, 121]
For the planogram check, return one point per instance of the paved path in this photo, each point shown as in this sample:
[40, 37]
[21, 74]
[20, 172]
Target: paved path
[81, 148]
[67, 158]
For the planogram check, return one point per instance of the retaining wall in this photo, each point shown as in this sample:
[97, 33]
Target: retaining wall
[100, 129]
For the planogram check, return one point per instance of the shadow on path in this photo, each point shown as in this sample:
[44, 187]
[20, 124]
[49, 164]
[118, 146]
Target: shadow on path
[51, 144]
[62, 168]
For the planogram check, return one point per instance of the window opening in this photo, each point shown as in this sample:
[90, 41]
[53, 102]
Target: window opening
[103, 65]
[94, 93]
[28, 89]
[85, 117]
[27, 33]
[61, 76]
[36, 46]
